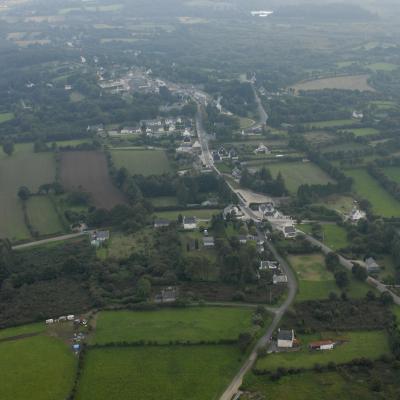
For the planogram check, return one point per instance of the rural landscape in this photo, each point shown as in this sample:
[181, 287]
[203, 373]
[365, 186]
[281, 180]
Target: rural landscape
[199, 200]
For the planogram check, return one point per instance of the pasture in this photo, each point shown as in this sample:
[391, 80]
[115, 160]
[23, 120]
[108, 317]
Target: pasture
[341, 204]
[352, 82]
[382, 66]
[296, 174]
[87, 171]
[358, 132]
[142, 162]
[36, 368]
[334, 236]
[332, 123]
[392, 173]
[43, 216]
[4, 117]
[367, 187]
[22, 168]
[369, 344]
[188, 324]
[163, 373]
[22, 330]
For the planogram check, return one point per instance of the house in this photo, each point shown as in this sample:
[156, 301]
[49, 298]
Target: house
[233, 155]
[99, 237]
[49, 321]
[289, 231]
[356, 215]
[372, 266]
[70, 317]
[322, 345]
[208, 242]
[277, 279]
[237, 173]
[357, 115]
[268, 210]
[128, 130]
[216, 156]
[161, 223]
[189, 223]
[242, 239]
[286, 338]
[268, 266]
[233, 212]
[262, 149]
[167, 295]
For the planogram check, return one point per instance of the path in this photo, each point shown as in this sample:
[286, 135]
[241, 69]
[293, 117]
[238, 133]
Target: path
[49, 240]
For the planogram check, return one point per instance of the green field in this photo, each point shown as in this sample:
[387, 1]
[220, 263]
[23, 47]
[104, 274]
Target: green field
[367, 187]
[200, 214]
[39, 367]
[296, 174]
[315, 281]
[393, 173]
[363, 131]
[22, 330]
[334, 236]
[142, 162]
[352, 82]
[369, 344]
[388, 67]
[164, 201]
[43, 216]
[162, 373]
[331, 124]
[309, 386]
[341, 204]
[23, 168]
[193, 324]
[4, 117]
[246, 123]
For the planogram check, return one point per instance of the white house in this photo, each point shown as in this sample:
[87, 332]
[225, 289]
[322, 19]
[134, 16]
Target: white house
[49, 321]
[70, 317]
[262, 149]
[356, 215]
[268, 265]
[372, 266]
[189, 223]
[286, 338]
[289, 231]
[357, 115]
[277, 279]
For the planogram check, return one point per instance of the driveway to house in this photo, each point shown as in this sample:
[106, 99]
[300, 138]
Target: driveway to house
[349, 265]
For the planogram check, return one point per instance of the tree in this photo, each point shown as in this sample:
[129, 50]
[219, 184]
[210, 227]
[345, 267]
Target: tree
[24, 193]
[244, 341]
[386, 298]
[332, 261]
[342, 280]
[8, 148]
[359, 272]
[143, 289]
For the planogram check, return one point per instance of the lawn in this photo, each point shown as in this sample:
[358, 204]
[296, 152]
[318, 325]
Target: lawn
[193, 324]
[199, 213]
[162, 373]
[23, 168]
[43, 216]
[296, 174]
[352, 82]
[4, 117]
[22, 330]
[367, 187]
[36, 368]
[309, 386]
[142, 162]
[369, 344]
[334, 236]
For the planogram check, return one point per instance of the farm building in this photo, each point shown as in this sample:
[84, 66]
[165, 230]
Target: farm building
[286, 338]
[208, 242]
[322, 345]
[161, 223]
[167, 295]
[372, 266]
[189, 223]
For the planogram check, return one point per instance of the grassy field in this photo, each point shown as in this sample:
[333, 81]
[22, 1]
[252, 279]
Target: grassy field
[43, 216]
[309, 386]
[382, 202]
[201, 214]
[193, 324]
[315, 281]
[335, 236]
[246, 123]
[298, 173]
[22, 330]
[354, 82]
[388, 67]
[76, 97]
[36, 368]
[162, 373]
[142, 162]
[369, 344]
[364, 131]
[341, 204]
[4, 117]
[332, 123]
[164, 201]
[393, 173]
[23, 168]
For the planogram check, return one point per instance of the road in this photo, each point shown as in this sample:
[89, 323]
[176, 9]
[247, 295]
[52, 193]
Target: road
[263, 116]
[349, 265]
[49, 240]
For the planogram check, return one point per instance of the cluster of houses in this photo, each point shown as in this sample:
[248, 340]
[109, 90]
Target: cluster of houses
[188, 223]
[283, 223]
[222, 154]
[279, 277]
[287, 340]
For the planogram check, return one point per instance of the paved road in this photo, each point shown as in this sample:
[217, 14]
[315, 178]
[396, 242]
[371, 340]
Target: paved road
[349, 265]
[263, 116]
[237, 381]
[49, 240]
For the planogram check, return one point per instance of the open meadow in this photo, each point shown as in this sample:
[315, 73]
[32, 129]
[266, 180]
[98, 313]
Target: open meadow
[4, 117]
[296, 174]
[353, 82]
[22, 168]
[188, 324]
[331, 124]
[163, 373]
[142, 162]
[36, 368]
[369, 344]
[334, 236]
[87, 171]
[368, 188]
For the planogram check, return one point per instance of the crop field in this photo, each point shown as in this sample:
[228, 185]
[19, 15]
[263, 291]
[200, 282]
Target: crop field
[315, 281]
[369, 344]
[36, 368]
[43, 216]
[192, 324]
[296, 174]
[142, 162]
[87, 171]
[367, 187]
[4, 117]
[309, 386]
[334, 236]
[163, 373]
[354, 82]
[23, 168]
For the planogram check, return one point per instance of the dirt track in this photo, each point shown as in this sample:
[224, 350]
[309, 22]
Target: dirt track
[87, 171]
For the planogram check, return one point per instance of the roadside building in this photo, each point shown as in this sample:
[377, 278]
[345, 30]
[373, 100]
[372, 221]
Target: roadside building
[372, 266]
[289, 231]
[208, 242]
[161, 223]
[279, 279]
[322, 345]
[286, 338]
[189, 223]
